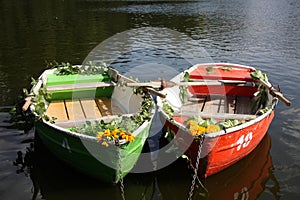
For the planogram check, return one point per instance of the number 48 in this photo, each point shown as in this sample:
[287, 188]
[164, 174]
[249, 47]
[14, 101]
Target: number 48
[244, 141]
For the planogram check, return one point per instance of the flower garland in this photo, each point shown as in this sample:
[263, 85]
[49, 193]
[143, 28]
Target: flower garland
[197, 128]
[111, 135]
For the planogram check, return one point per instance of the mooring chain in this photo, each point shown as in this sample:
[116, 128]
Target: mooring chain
[196, 168]
[120, 169]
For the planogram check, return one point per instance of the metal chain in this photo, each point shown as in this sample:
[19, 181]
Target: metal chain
[120, 169]
[196, 168]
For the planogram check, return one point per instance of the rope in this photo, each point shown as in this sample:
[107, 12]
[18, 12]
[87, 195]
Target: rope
[196, 168]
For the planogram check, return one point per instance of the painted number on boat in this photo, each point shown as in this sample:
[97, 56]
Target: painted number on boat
[244, 141]
[65, 145]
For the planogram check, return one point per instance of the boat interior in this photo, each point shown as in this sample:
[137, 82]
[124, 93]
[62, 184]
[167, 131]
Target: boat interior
[74, 104]
[218, 107]
[69, 111]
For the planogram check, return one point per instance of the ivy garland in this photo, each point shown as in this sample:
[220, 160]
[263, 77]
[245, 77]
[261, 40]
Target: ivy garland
[262, 92]
[91, 68]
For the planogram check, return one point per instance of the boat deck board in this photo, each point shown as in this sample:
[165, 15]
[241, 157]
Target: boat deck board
[90, 108]
[53, 109]
[215, 105]
[77, 109]
[74, 109]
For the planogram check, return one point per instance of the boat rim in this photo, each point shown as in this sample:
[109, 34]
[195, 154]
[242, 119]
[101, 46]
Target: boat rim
[226, 131]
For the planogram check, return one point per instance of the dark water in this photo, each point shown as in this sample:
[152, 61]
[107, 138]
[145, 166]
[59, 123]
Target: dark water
[261, 33]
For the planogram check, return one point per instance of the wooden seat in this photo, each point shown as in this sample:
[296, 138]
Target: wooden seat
[80, 86]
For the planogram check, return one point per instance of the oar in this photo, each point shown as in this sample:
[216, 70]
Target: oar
[163, 84]
[274, 92]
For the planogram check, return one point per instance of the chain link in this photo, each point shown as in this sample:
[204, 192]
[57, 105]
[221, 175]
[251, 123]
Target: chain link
[196, 168]
[117, 143]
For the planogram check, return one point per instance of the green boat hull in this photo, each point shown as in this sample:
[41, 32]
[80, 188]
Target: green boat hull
[83, 152]
[87, 155]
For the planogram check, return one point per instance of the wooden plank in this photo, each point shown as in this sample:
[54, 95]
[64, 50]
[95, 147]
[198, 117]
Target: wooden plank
[195, 104]
[90, 108]
[229, 104]
[214, 104]
[74, 109]
[73, 123]
[243, 105]
[80, 86]
[57, 109]
[222, 116]
[190, 107]
[104, 105]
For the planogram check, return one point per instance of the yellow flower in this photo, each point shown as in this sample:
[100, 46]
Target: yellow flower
[201, 130]
[99, 136]
[104, 143]
[193, 130]
[107, 132]
[213, 128]
[193, 127]
[130, 138]
[192, 123]
[115, 131]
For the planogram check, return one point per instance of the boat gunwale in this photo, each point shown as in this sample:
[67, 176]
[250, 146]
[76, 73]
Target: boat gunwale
[92, 138]
[226, 131]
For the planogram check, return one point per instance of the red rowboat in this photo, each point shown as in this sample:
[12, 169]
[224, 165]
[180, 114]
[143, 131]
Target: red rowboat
[218, 112]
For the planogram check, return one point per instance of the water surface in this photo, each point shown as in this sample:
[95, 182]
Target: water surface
[261, 33]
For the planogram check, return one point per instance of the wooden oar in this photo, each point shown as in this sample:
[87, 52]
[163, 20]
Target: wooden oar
[274, 92]
[164, 84]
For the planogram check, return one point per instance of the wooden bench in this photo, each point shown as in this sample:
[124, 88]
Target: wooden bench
[80, 86]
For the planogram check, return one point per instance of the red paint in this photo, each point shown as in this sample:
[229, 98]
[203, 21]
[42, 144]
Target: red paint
[230, 90]
[249, 177]
[222, 151]
[221, 72]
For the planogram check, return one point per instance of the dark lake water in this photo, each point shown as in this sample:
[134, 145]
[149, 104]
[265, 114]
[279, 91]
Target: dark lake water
[260, 33]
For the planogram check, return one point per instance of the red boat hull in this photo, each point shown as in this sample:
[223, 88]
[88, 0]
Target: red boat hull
[222, 151]
[224, 148]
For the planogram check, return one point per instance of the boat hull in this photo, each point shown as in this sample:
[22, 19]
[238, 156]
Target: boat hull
[220, 152]
[89, 156]
[244, 180]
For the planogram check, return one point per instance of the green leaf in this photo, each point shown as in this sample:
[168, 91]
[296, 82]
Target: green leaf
[33, 81]
[25, 91]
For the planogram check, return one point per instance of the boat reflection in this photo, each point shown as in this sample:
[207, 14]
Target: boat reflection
[244, 180]
[52, 179]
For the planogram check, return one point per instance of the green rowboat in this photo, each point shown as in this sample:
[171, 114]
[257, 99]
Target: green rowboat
[91, 122]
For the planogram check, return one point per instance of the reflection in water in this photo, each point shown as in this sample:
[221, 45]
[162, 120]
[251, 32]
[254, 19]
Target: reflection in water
[260, 33]
[54, 180]
[244, 180]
